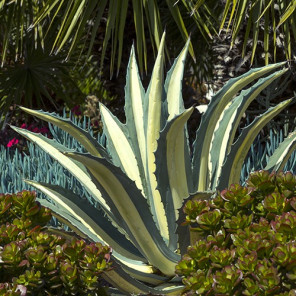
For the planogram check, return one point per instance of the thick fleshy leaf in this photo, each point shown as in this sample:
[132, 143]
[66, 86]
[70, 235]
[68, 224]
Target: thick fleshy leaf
[231, 169]
[90, 221]
[153, 123]
[173, 169]
[134, 111]
[281, 155]
[173, 84]
[228, 124]
[119, 146]
[56, 150]
[127, 284]
[210, 118]
[133, 207]
[86, 140]
[186, 237]
[87, 222]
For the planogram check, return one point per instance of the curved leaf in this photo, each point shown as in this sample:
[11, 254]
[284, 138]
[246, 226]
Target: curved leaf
[56, 150]
[231, 169]
[119, 146]
[173, 170]
[90, 143]
[289, 10]
[90, 221]
[124, 282]
[134, 209]
[210, 118]
[229, 122]
[173, 84]
[281, 155]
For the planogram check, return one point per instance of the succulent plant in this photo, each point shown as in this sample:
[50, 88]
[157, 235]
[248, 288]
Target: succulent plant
[250, 249]
[140, 180]
[35, 260]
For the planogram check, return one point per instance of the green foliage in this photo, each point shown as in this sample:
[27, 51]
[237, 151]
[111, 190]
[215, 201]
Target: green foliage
[263, 17]
[78, 25]
[30, 74]
[36, 80]
[256, 20]
[38, 262]
[247, 239]
[77, 18]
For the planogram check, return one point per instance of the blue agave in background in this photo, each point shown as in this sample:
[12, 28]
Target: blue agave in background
[137, 183]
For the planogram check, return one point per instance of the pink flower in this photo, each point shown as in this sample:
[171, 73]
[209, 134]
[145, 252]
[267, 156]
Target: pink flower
[12, 142]
[32, 128]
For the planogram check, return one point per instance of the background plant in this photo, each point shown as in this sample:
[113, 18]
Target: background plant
[267, 23]
[30, 74]
[45, 47]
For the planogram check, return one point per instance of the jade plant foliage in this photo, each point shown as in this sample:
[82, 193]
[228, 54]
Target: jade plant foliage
[139, 181]
[247, 239]
[36, 260]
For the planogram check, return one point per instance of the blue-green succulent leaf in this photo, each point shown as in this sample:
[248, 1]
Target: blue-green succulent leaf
[173, 84]
[56, 150]
[120, 279]
[153, 123]
[120, 148]
[91, 222]
[281, 155]
[134, 113]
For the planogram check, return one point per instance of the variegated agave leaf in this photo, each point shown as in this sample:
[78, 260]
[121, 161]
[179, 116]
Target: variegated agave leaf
[232, 167]
[229, 121]
[282, 154]
[210, 119]
[141, 180]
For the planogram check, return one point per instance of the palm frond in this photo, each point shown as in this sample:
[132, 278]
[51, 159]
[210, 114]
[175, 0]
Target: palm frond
[271, 22]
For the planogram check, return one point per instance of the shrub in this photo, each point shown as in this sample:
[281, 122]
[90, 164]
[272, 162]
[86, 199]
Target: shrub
[34, 261]
[247, 239]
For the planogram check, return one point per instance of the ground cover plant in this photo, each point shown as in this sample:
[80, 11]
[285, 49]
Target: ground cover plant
[35, 260]
[139, 181]
[246, 242]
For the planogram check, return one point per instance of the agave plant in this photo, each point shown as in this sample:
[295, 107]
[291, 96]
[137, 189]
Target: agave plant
[140, 180]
